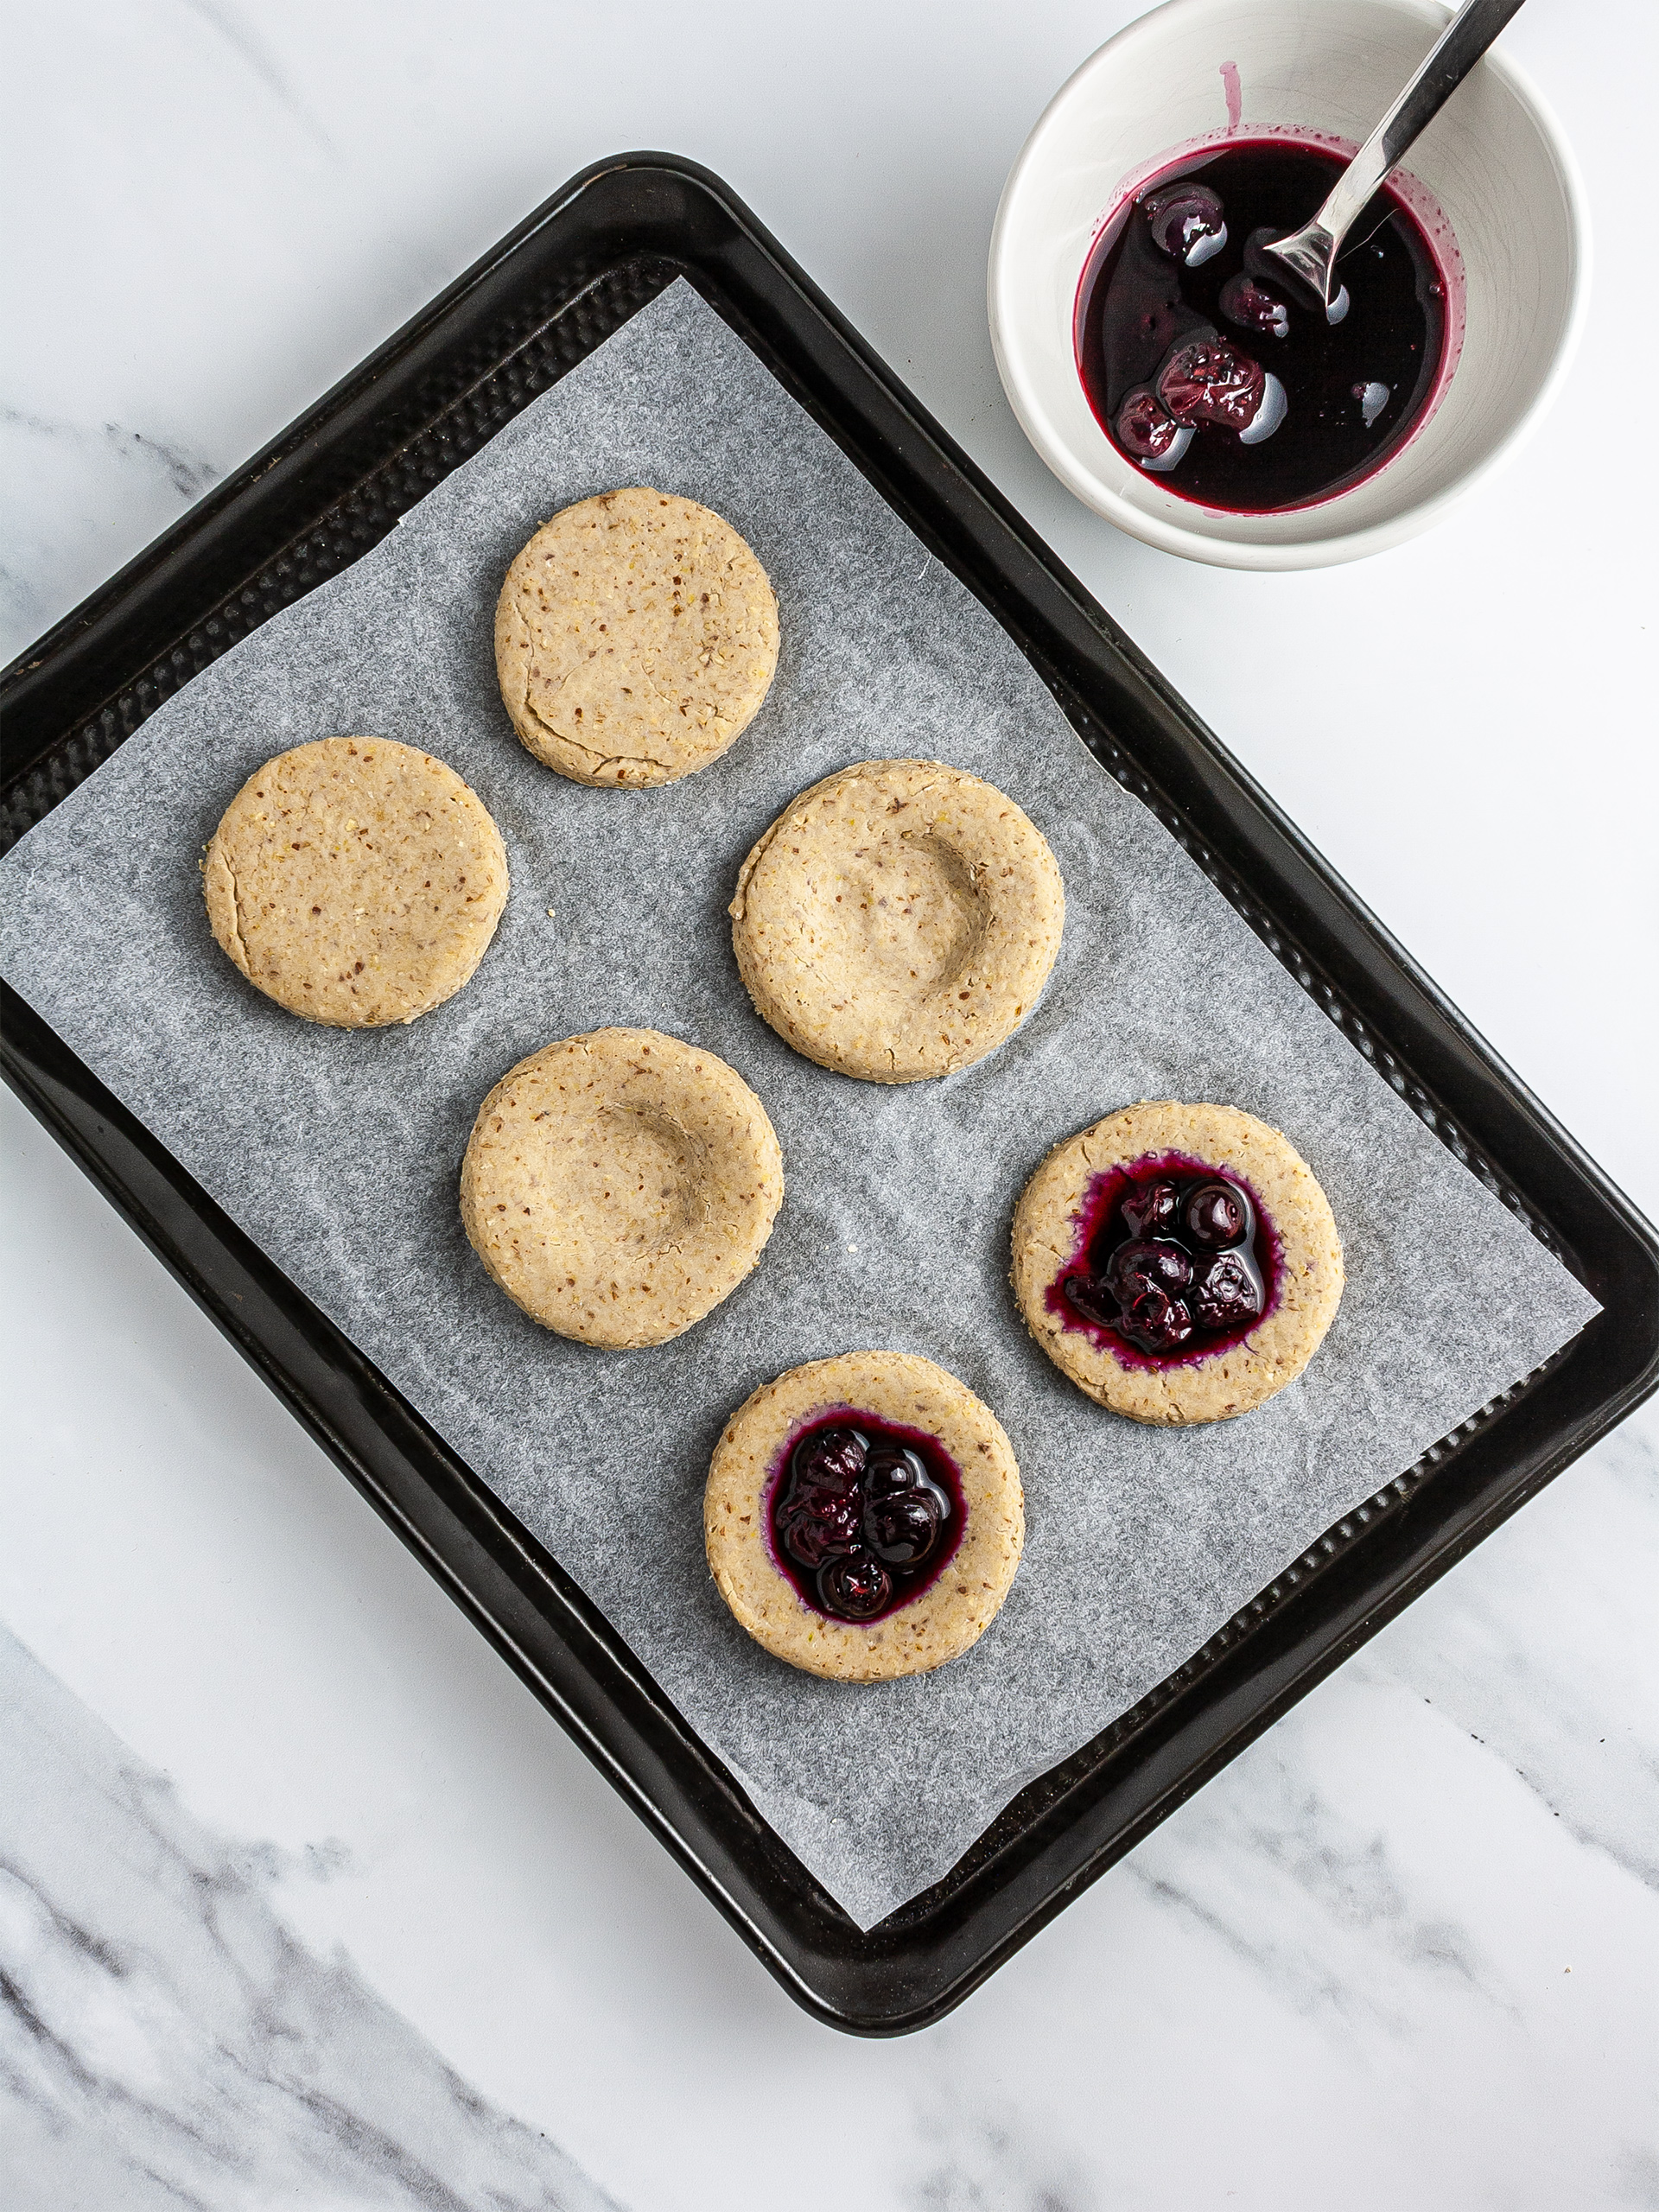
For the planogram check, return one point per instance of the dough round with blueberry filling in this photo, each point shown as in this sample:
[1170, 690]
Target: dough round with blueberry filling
[898, 920]
[635, 638]
[618, 1185]
[748, 1476]
[355, 881]
[1180, 1263]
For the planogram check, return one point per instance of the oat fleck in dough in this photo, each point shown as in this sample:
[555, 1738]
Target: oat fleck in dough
[952, 1613]
[635, 638]
[618, 1185]
[898, 920]
[1221, 1384]
[355, 881]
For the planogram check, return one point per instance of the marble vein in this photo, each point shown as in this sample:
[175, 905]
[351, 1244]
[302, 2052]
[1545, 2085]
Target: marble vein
[227, 24]
[165, 2039]
[1579, 1739]
[189, 473]
[1315, 1906]
[105, 472]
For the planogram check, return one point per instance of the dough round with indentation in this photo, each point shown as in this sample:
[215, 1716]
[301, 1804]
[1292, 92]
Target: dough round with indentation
[635, 638]
[356, 881]
[897, 921]
[950, 1613]
[1216, 1385]
[618, 1185]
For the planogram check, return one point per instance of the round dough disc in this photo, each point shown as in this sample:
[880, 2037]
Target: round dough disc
[950, 1613]
[635, 638]
[1211, 1386]
[618, 1185]
[355, 881]
[897, 921]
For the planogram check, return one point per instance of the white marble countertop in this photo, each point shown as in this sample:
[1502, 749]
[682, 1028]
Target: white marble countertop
[303, 1899]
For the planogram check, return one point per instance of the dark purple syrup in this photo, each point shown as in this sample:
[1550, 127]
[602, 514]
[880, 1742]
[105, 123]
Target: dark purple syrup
[864, 1514]
[1173, 1260]
[1180, 342]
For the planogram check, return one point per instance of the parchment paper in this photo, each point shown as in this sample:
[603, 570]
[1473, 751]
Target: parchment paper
[338, 1153]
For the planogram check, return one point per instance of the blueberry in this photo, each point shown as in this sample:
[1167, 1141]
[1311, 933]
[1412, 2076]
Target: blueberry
[855, 1587]
[833, 1459]
[1228, 1292]
[1163, 1265]
[1146, 431]
[1150, 1209]
[1092, 1298]
[1252, 307]
[1218, 1214]
[928, 1488]
[820, 1530]
[892, 1469]
[1188, 222]
[895, 1472]
[1211, 380]
[1155, 1321]
[902, 1530]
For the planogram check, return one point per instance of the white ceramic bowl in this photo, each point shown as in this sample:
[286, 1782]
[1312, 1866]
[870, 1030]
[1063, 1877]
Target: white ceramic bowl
[1196, 73]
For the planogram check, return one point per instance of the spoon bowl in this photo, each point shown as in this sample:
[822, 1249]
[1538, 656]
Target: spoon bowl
[1308, 257]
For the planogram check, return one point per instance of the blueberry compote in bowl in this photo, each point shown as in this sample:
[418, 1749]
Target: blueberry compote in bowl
[1174, 1261]
[865, 1514]
[1207, 368]
[1257, 102]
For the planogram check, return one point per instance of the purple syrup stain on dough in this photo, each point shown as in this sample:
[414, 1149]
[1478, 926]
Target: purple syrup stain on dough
[863, 1514]
[1138, 1225]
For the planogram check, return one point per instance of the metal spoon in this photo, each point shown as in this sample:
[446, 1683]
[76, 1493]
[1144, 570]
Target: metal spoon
[1310, 254]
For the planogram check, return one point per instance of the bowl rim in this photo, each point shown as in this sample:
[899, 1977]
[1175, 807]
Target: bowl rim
[1220, 552]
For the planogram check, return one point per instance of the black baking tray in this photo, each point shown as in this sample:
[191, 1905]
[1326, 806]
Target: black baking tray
[315, 500]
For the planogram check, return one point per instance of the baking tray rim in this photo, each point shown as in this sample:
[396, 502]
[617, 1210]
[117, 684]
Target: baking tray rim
[25, 1065]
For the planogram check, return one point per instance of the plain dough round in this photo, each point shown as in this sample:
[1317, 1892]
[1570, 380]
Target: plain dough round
[897, 921]
[1221, 1383]
[635, 637]
[355, 881]
[618, 1185]
[952, 1613]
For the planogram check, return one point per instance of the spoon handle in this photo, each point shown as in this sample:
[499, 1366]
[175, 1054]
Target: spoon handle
[1447, 62]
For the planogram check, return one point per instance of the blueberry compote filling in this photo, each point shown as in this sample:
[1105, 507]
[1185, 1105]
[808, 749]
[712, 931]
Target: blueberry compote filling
[1206, 365]
[865, 1515]
[1174, 1260]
